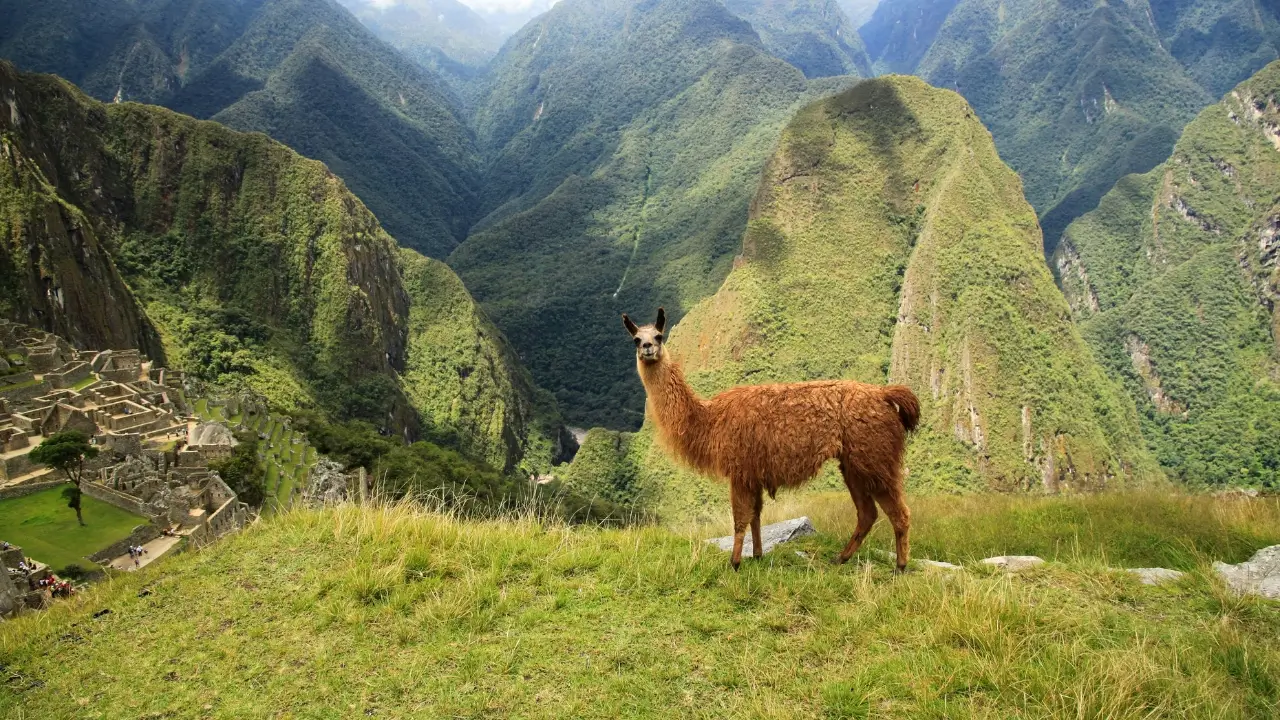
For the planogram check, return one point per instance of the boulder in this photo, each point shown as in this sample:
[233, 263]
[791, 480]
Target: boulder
[1014, 563]
[938, 565]
[770, 535]
[1260, 575]
[1156, 576]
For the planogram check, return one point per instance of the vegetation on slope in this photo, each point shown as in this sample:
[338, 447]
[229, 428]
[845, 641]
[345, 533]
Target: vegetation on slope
[258, 268]
[303, 71]
[1077, 95]
[889, 243]
[814, 35]
[437, 617]
[627, 140]
[444, 35]
[1175, 278]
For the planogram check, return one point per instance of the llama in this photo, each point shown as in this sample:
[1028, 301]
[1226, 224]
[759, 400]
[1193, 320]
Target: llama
[765, 437]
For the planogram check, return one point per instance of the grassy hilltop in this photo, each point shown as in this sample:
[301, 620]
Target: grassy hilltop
[396, 612]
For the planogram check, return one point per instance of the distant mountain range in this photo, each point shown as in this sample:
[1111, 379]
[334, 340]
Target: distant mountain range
[303, 71]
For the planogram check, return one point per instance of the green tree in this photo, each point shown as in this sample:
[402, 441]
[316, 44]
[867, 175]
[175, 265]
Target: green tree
[67, 451]
[241, 471]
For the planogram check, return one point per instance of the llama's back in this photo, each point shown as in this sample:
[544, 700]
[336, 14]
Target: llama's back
[776, 436]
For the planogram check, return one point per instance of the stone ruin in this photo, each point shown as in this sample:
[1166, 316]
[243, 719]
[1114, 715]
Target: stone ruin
[154, 455]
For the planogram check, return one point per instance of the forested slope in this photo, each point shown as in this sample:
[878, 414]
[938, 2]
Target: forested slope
[1174, 277]
[1077, 94]
[303, 71]
[625, 141]
[247, 265]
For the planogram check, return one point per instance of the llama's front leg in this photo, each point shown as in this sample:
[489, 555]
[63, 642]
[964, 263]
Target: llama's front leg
[742, 504]
[757, 546]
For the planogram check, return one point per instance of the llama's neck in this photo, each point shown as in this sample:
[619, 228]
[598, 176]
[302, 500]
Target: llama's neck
[681, 416]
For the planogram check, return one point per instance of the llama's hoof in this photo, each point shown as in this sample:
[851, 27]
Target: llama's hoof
[839, 560]
[735, 565]
[900, 570]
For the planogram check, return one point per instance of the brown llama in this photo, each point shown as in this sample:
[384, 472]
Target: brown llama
[765, 437]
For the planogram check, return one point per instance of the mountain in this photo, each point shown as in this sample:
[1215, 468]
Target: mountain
[900, 32]
[1077, 94]
[245, 265]
[625, 139]
[814, 35]
[304, 72]
[889, 243]
[444, 35]
[1174, 278]
[859, 11]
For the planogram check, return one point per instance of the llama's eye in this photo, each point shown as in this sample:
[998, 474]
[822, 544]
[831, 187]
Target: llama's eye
[658, 338]
[637, 341]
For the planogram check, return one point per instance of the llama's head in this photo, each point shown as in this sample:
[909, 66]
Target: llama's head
[648, 338]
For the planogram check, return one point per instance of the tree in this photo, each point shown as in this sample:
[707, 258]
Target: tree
[241, 471]
[67, 451]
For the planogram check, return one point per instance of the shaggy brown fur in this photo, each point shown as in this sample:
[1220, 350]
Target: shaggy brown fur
[765, 437]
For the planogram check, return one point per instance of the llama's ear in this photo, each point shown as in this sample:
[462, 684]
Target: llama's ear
[661, 322]
[630, 326]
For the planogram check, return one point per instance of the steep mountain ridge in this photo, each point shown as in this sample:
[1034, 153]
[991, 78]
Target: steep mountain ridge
[303, 71]
[1077, 94]
[1174, 278]
[626, 196]
[254, 267]
[814, 35]
[889, 243]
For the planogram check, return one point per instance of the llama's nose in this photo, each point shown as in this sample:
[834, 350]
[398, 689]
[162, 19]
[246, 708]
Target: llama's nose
[647, 345]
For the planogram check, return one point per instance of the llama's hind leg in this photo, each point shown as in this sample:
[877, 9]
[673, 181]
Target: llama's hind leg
[895, 507]
[743, 503]
[757, 546]
[866, 506]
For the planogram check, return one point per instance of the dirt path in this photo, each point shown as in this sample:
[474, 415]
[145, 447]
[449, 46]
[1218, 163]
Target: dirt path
[155, 549]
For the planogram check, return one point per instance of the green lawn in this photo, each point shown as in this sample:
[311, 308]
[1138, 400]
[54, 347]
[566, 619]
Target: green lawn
[46, 529]
[84, 383]
[436, 616]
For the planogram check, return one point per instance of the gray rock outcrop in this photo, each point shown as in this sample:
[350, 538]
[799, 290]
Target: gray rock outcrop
[770, 535]
[326, 485]
[1156, 576]
[1259, 575]
[1014, 563]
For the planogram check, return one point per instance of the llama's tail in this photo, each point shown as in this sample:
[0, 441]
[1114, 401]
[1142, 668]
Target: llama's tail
[908, 405]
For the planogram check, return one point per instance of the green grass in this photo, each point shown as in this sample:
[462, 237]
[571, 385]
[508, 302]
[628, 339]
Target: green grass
[46, 529]
[398, 612]
[19, 386]
[84, 383]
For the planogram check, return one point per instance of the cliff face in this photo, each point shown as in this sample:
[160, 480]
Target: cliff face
[243, 262]
[889, 243]
[57, 272]
[1175, 279]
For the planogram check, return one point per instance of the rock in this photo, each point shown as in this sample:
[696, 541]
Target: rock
[770, 535]
[327, 484]
[1237, 492]
[938, 565]
[1014, 563]
[1260, 575]
[1156, 576]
